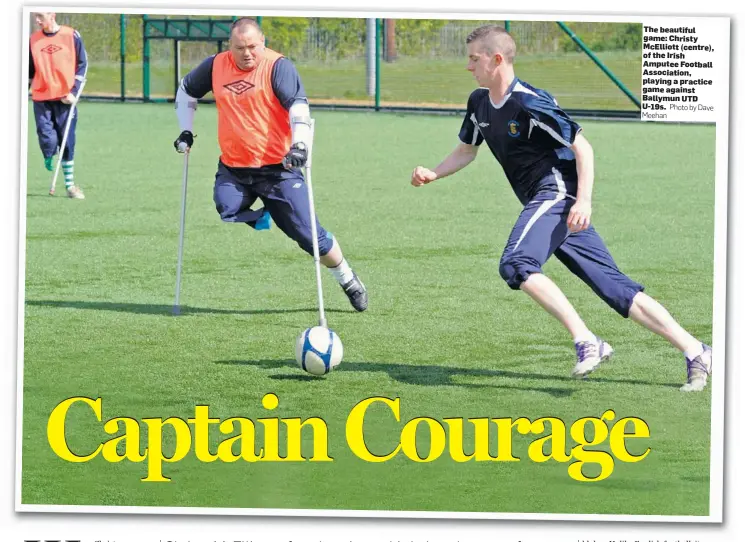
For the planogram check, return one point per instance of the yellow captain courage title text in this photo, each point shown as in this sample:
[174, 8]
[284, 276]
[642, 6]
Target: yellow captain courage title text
[446, 438]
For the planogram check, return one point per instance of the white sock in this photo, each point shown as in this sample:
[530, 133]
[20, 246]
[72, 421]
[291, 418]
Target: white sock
[587, 337]
[697, 351]
[342, 272]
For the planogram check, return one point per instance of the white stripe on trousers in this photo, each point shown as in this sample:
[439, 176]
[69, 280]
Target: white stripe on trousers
[545, 206]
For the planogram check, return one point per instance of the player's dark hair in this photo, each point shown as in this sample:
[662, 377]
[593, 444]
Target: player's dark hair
[495, 40]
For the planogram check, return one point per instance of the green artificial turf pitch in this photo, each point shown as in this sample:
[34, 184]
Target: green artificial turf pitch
[443, 332]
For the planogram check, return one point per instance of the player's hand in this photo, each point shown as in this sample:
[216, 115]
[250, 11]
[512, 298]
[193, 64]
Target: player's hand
[422, 175]
[69, 99]
[296, 157]
[184, 141]
[579, 216]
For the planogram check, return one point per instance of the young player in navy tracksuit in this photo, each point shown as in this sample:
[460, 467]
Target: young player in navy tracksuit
[549, 164]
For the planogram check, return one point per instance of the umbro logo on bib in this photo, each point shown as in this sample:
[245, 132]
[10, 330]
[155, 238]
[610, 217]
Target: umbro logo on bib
[239, 87]
[51, 49]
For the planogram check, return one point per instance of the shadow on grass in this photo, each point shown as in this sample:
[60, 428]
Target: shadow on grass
[141, 308]
[435, 375]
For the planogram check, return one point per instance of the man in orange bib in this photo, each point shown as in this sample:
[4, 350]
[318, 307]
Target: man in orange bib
[57, 67]
[263, 123]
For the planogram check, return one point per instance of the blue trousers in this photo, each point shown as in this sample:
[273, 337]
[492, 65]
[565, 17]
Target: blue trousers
[51, 118]
[284, 195]
[541, 230]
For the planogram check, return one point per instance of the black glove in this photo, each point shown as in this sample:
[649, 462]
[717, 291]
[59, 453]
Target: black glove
[297, 156]
[185, 137]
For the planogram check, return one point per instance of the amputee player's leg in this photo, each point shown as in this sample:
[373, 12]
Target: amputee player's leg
[539, 230]
[46, 132]
[285, 195]
[586, 255]
[233, 200]
[63, 112]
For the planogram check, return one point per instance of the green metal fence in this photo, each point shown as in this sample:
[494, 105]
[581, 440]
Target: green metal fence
[419, 64]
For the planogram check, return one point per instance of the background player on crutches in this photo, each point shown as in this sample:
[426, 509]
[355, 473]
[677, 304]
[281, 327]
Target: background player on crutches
[57, 70]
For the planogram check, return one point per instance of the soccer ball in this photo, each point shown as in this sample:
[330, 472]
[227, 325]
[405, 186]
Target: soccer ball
[318, 350]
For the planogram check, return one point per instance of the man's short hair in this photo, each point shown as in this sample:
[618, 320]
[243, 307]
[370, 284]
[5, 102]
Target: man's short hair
[242, 23]
[494, 39]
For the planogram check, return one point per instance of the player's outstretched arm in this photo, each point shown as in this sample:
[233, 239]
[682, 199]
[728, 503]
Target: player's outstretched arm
[300, 124]
[186, 106]
[194, 86]
[289, 90]
[461, 156]
[581, 211]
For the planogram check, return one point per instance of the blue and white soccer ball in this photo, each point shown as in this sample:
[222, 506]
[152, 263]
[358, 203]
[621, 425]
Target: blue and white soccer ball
[318, 350]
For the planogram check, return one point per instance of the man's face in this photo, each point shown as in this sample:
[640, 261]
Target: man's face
[481, 64]
[247, 47]
[45, 21]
